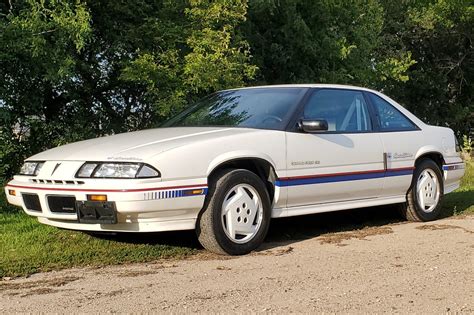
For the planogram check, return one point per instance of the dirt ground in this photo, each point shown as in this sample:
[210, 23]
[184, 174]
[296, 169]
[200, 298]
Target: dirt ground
[391, 267]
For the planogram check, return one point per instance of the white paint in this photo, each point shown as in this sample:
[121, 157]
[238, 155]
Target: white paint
[186, 156]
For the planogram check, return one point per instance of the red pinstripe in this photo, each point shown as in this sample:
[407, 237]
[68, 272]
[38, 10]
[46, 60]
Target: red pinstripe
[107, 190]
[201, 185]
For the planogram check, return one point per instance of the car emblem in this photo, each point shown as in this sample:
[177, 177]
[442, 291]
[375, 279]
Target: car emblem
[55, 168]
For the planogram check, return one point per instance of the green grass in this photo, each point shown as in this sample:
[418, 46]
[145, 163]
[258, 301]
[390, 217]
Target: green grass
[27, 247]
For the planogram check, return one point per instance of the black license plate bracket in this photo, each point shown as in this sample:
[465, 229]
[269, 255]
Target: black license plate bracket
[96, 212]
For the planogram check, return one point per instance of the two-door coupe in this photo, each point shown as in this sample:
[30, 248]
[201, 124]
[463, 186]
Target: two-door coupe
[237, 158]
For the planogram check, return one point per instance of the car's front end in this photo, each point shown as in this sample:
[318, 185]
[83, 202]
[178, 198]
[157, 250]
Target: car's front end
[108, 196]
[117, 183]
[154, 179]
[147, 181]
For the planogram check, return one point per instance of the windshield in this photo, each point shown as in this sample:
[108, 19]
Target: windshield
[263, 108]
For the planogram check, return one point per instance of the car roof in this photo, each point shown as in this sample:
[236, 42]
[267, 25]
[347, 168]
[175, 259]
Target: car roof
[341, 86]
[308, 85]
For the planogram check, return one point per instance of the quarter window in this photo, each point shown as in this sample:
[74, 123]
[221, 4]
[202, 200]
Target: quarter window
[390, 118]
[344, 110]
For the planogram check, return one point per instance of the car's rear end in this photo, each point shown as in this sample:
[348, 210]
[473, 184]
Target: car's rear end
[446, 143]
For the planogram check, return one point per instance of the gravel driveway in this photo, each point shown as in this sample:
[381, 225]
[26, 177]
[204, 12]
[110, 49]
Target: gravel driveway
[395, 267]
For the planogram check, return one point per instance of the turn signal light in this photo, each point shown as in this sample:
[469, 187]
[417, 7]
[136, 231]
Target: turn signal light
[12, 192]
[193, 192]
[97, 197]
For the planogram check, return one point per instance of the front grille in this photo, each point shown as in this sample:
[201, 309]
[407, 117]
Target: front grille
[32, 202]
[63, 204]
[57, 182]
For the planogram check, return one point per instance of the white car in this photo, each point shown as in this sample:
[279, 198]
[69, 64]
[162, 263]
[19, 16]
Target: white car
[236, 159]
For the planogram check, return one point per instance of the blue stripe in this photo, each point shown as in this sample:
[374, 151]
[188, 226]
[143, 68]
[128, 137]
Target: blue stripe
[398, 173]
[176, 193]
[453, 167]
[340, 178]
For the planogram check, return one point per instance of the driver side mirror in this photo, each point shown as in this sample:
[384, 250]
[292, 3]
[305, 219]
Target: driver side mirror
[313, 125]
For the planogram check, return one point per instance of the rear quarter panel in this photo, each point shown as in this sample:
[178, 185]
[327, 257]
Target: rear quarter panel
[442, 140]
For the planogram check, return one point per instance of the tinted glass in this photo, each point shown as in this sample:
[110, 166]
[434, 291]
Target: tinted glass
[264, 108]
[390, 118]
[344, 110]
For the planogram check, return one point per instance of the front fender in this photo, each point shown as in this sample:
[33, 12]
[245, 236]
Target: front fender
[236, 155]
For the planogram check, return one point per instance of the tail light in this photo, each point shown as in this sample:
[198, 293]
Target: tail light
[458, 147]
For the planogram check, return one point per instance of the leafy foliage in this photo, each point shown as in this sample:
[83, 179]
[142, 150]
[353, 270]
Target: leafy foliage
[219, 59]
[440, 89]
[38, 44]
[467, 144]
[71, 70]
[315, 41]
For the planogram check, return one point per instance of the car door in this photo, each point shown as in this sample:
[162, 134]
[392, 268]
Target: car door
[345, 162]
[401, 139]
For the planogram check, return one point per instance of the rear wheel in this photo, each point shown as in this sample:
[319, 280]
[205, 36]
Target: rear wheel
[236, 216]
[425, 194]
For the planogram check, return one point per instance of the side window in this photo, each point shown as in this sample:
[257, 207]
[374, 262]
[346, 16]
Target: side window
[344, 110]
[390, 118]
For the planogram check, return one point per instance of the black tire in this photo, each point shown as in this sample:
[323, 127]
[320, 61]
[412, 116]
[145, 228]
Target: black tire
[411, 209]
[209, 228]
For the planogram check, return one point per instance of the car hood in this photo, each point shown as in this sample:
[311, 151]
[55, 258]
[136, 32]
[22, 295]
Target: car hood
[134, 146]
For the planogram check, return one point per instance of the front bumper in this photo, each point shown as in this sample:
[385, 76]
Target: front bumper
[146, 206]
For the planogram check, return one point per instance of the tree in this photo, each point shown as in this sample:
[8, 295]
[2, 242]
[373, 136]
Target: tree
[39, 41]
[438, 34]
[73, 69]
[207, 56]
[319, 41]
[76, 69]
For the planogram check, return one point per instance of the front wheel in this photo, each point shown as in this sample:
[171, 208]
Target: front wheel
[425, 194]
[236, 215]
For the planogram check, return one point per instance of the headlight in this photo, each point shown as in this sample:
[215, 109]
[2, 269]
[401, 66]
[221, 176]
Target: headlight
[31, 168]
[116, 170]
